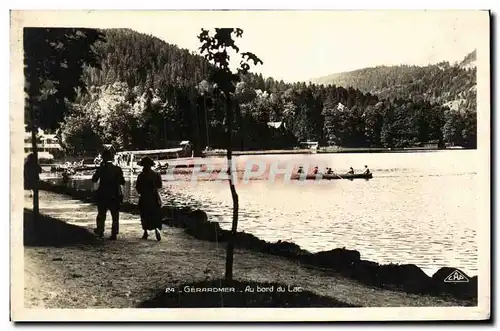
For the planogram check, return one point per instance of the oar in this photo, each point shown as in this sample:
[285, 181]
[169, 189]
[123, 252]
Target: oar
[338, 176]
[333, 173]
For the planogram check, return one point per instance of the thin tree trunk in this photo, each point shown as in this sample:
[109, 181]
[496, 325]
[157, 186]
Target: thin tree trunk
[34, 145]
[206, 118]
[239, 119]
[234, 195]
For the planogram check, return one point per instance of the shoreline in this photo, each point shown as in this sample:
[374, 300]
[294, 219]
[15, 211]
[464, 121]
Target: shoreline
[222, 153]
[407, 278]
[327, 150]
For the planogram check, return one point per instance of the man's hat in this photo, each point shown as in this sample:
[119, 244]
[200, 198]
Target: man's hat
[107, 155]
[146, 162]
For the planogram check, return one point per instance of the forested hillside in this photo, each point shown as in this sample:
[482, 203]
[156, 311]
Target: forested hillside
[442, 83]
[149, 92]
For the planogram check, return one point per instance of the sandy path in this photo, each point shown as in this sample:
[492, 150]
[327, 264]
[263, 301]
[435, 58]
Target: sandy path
[122, 273]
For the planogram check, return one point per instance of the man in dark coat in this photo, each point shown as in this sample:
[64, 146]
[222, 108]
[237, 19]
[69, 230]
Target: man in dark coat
[109, 194]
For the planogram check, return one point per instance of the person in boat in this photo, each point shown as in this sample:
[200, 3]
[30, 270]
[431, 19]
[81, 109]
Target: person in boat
[109, 194]
[147, 185]
[315, 171]
[300, 170]
[32, 172]
[162, 166]
[329, 171]
[367, 171]
[351, 171]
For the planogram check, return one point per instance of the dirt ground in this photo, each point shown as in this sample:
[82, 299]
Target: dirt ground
[67, 267]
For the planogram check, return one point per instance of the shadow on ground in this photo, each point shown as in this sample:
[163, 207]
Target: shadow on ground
[238, 294]
[48, 231]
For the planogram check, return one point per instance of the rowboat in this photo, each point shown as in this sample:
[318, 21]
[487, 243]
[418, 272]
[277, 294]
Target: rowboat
[331, 176]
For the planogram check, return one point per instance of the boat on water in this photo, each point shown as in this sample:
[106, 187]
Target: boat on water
[178, 157]
[319, 176]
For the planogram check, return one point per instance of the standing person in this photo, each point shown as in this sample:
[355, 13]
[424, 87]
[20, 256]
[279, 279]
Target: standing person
[109, 194]
[32, 172]
[147, 185]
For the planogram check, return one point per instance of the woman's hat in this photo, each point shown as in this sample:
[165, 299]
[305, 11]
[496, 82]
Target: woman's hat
[146, 162]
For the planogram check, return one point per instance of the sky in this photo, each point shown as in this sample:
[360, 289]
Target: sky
[296, 46]
[301, 45]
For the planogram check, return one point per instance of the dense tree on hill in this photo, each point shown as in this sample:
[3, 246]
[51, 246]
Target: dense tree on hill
[145, 62]
[80, 136]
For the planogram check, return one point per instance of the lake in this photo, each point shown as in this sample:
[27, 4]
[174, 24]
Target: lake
[419, 208]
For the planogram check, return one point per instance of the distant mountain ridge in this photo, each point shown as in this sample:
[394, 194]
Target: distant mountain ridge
[451, 85]
[469, 61]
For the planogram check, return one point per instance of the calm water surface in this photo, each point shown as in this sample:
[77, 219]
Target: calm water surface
[419, 208]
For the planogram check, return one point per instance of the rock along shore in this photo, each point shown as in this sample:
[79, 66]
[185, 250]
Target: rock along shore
[404, 277]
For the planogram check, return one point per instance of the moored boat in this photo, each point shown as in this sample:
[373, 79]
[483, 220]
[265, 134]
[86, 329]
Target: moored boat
[64, 167]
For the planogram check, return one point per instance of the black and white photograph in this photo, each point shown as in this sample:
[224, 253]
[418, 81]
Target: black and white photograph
[223, 160]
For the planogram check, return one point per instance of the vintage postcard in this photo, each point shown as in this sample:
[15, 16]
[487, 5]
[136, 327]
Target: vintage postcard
[251, 165]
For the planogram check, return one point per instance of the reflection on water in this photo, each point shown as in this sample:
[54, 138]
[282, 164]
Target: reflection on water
[419, 208]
